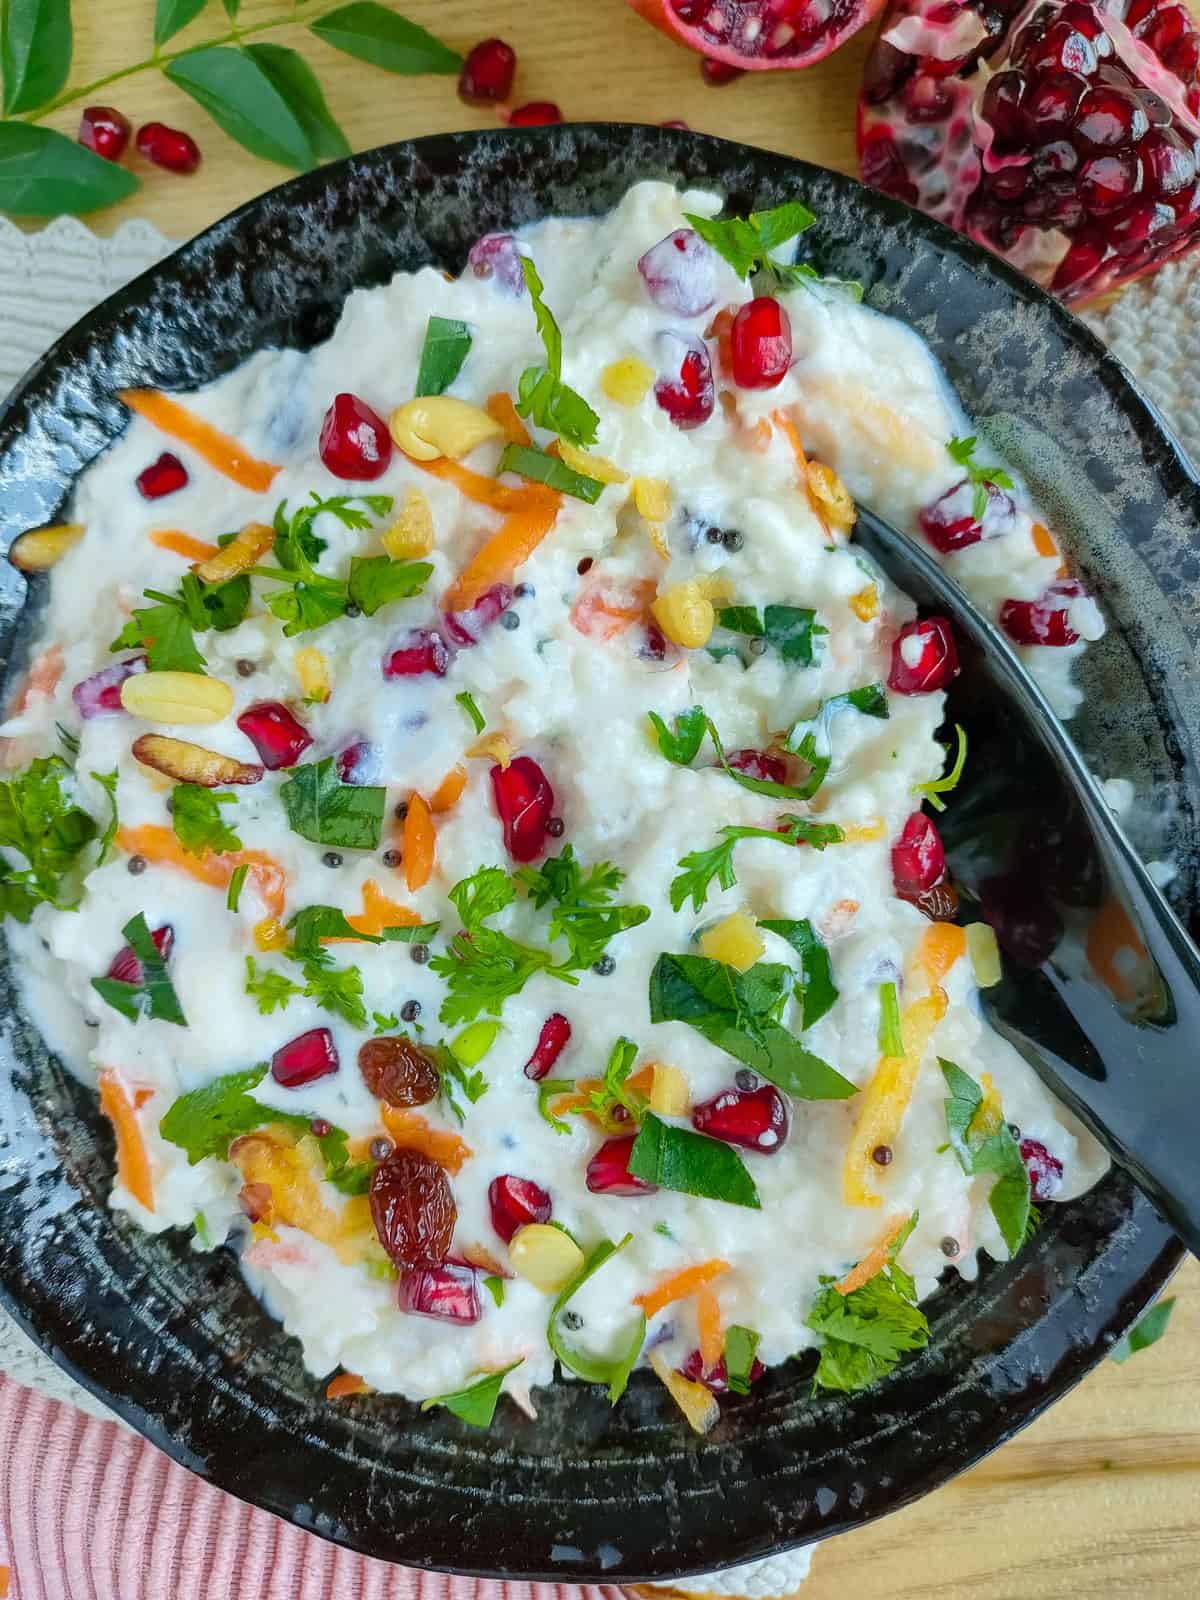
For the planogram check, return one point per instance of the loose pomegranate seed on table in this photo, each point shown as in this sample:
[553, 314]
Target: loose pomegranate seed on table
[514, 1202]
[760, 344]
[552, 1041]
[608, 1170]
[304, 1059]
[487, 73]
[924, 657]
[421, 651]
[126, 967]
[918, 859]
[537, 114]
[165, 476]
[355, 443]
[684, 389]
[169, 148]
[105, 131]
[755, 1119]
[447, 1292]
[275, 733]
[524, 803]
[716, 73]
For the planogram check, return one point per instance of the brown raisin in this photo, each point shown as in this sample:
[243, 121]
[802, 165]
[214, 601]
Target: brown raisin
[398, 1072]
[412, 1208]
[940, 904]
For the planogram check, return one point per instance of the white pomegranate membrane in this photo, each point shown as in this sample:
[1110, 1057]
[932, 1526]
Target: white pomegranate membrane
[572, 694]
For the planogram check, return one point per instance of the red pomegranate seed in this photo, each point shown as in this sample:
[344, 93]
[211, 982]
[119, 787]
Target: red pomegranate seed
[422, 651]
[359, 763]
[718, 1379]
[1045, 1171]
[525, 803]
[274, 732]
[466, 628]
[716, 73]
[537, 114]
[680, 273]
[448, 1292]
[487, 73]
[355, 442]
[162, 477]
[675, 122]
[608, 1170]
[756, 1119]
[685, 389]
[100, 695]
[126, 967]
[552, 1041]
[760, 344]
[304, 1059]
[760, 764]
[105, 131]
[515, 1202]
[498, 256]
[1043, 621]
[918, 859]
[168, 147]
[950, 523]
[924, 657]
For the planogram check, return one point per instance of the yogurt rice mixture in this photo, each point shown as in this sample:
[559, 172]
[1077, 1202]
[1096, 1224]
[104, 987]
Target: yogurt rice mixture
[522, 925]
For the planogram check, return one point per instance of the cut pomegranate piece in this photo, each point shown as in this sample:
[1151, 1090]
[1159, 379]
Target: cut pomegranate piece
[736, 36]
[924, 657]
[168, 147]
[305, 1058]
[515, 1202]
[680, 273]
[487, 73]
[1045, 1171]
[1062, 134]
[685, 387]
[126, 967]
[537, 114]
[918, 859]
[412, 1208]
[165, 476]
[552, 1041]
[355, 442]
[498, 256]
[608, 1170]
[718, 1379]
[950, 523]
[466, 628]
[398, 1072]
[104, 130]
[760, 764]
[448, 1292]
[525, 803]
[421, 651]
[274, 732]
[1045, 620]
[760, 344]
[756, 1119]
[360, 763]
[100, 695]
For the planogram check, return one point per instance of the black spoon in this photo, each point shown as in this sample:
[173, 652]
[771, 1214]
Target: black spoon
[1101, 986]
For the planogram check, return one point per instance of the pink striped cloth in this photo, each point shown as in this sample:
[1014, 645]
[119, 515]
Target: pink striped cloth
[88, 1511]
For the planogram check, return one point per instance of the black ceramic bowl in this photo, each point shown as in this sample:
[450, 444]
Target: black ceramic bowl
[175, 1343]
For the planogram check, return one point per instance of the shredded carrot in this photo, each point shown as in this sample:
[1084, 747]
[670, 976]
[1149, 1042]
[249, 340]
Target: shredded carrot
[501, 409]
[680, 1285]
[792, 434]
[885, 1099]
[708, 1322]
[4, 1577]
[161, 846]
[133, 1159]
[42, 678]
[448, 793]
[941, 945]
[489, 491]
[873, 1262]
[643, 1079]
[346, 1383]
[1113, 944]
[221, 452]
[378, 913]
[1043, 541]
[182, 544]
[410, 1129]
[605, 609]
[418, 843]
[513, 543]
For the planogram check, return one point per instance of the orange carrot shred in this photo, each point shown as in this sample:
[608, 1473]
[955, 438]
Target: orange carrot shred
[501, 409]
[489, 491]
[43, 677]
[448, 793]
[133, 1159]
[1043, 541]
[346, 1383]
[410, 1129]
[221, 452]
[603, 610]
[182, 544]
[418, 843]
[708, 1322]
[160, 845]
[680, 1285]
[873, 1262]
[513, 543]
[378, 913]
[941, 945]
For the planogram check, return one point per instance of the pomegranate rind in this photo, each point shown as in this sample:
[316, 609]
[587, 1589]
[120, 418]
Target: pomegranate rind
[662, 15]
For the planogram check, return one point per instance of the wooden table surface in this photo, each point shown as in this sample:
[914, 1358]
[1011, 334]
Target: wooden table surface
[1101, 1497]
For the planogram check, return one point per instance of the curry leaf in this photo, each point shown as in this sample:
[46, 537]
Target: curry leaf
[296, 84]
[326, 811]
[372, 33]
[35, 52]
[172, 15]
[244, 103]
[43, 173]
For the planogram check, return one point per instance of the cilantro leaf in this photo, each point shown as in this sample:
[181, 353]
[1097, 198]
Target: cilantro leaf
[541, 394]
[815, 990]
[781, 223]
[270, 989]
[153, 994]
[108, 782]
[747, 242]
[614, 1092]
[866, 1332]
[984, 1143]
[792, 631]
[767, 786]
[309, 599]
[165, 633]
[552, 1089]
[197, 821]
[700, 867]
[476, 1403]
[962, 452]
[1146, 1332]
[206, 1121]
[220, 606]
[613, 1370]
[937, 787]
[236, 884]
[467, 701]
[483, 968]
[336, 989]
[495, 1287]
[457, 1074]
[681, 745]
[742, 619]
[891, 1040]
[536, 465]
[313, 924]
[482, 895]
[326, 811]
[297, 546]
[689, 1163]
[811, 739]
[740, 1347]
[582, 915]
[447, 345]
[375, 581]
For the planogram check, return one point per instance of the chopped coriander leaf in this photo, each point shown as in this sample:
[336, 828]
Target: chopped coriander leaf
[866, 1332]
[108, 782]
[891, 1040]
[336, 989]
[583, 915]
[613, 1370]
[661, 1227]
[236, 884]
[483, 968]
[811, 739]
[310, 926]
[682, 744]
[555, 474]
[220, 606]
[165, 633]
[541, 394]
[676, 1158]
[455, 1075]
[747, 242]
[447, 345]
[197, 821]
[385, 1021]
[476, 1404]
[322, 809]
[482, 895]
[376, 581]
[962, 452]
[614, 1090]
[781, 223]
[553, 1089]
[297, 546]
[792, 631]
[740, 1347]
[270, 990]
[983, 1142]
[153, 994]
[815, 990]
[937, 787]
[1147, 1332]
[702, 866]
[206, 1121]
[495, 1287]
[467, 701]
[741, 619]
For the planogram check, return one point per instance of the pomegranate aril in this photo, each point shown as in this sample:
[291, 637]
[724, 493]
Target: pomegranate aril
[755, 1119]
[170, 148]
[1045, 1171]
[412, 1208]
[552, 1041]
[487, 73]
[355, 443]
[685, 388]
[924, 657]
[761, 344]
[515, 1202]
[466, 628]
[680, 273]
[718, 1379]
[100, 695]
[448, 1292]
[360, 763]
[918, 859]
[1045, 620]
[608, 1170]
[950, 522]
[497, 256]
[126, 967]
[537, 114]
[275, 734]
[162, 477]
[422, 651]
[304, 1059]
[1107, 119]
[524, 803]
[760, 764]
[716, 73]
[105, 131]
